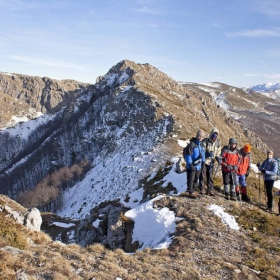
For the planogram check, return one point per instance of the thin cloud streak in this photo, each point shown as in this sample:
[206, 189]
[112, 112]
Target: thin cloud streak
[255, 33]
[267, 76]
[145, 10]
[47, 62]
[269, 7]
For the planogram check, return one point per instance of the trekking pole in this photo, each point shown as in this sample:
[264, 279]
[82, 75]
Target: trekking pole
[215, 173]
[259, 188]
[279, 206]
[233, 183]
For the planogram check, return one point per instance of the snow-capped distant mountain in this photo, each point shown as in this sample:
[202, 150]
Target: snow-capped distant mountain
[269, 87]
[271, 90]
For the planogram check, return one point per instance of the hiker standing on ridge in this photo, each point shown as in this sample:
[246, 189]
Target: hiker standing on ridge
[195, 160]
[212, 147]
[243, 172]
[269, 169]
[230, 164]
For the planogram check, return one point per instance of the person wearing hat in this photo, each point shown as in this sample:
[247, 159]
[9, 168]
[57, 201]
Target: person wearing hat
[212, 147]
[230, 164]
[243, 172]
[269, 169]
[195, 160]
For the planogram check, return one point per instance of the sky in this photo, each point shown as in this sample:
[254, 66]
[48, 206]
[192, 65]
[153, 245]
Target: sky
[235, 42]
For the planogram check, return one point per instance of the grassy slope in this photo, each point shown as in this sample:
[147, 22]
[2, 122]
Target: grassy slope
[203, 247]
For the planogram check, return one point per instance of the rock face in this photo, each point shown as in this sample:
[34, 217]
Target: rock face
[43, 94]
[31, 218]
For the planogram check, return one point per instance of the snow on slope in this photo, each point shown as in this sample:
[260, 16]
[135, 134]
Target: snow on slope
[22, 127]
[113, 176]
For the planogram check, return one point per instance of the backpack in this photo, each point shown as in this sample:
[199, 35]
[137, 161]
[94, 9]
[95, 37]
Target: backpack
[224, 148]
[180, 165]
[278, 170]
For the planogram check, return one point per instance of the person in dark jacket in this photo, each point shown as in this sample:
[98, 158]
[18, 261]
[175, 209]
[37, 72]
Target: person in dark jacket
[269, 169]
[243, 172]
[195, 161]
[230, 164]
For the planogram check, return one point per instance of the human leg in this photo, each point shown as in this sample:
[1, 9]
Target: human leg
[237, 190]
[243, 184]
[226, 181]
[269, 187]
[202, 180]
[196, 179]
[232, 185]
[210, 180]
[190, 182]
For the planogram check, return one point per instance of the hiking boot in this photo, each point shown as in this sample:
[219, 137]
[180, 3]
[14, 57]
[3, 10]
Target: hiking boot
[227, 196]
[238, 196]
[192, 195]
[245, 197]
[202, 192]
[211, 193]
[233, 196]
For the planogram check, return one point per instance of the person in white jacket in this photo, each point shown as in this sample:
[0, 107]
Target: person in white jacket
[212, 147]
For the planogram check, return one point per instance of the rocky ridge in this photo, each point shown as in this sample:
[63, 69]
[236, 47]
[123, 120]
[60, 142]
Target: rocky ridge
[128, 121]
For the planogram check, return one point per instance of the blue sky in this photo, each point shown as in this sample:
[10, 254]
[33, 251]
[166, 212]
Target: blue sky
[236, 42]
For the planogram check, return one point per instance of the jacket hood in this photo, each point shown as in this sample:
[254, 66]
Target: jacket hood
[242, 151]
[214, 129]
[195, 140]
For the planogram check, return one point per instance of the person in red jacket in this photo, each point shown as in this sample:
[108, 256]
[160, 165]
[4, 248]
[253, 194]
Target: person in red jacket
[230, 163]
[243, 172]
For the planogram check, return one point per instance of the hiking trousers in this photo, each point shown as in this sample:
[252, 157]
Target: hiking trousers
[229, 178]
[192, 180]
[268, 187]
[206, 178]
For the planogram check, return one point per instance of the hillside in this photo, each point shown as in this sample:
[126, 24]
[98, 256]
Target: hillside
[255, 111]
[105, 149]
[203, 246]
[133, 110]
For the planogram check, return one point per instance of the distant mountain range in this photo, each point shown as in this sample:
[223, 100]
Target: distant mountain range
[271, 90]
[269, 87]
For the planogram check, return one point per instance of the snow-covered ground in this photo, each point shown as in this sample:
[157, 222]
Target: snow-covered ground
[22, 126]
[153, 227]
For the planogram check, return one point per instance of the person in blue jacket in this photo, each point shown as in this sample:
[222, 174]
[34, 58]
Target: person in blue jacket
[195, 162]
[269, 169]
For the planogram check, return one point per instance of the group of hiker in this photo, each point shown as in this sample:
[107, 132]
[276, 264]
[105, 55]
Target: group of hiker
[200, 156]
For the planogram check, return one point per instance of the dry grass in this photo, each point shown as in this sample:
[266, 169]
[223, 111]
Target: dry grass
[203, 248]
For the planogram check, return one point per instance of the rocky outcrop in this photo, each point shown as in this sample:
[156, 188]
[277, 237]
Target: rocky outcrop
[107, 225]
[31, 218]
